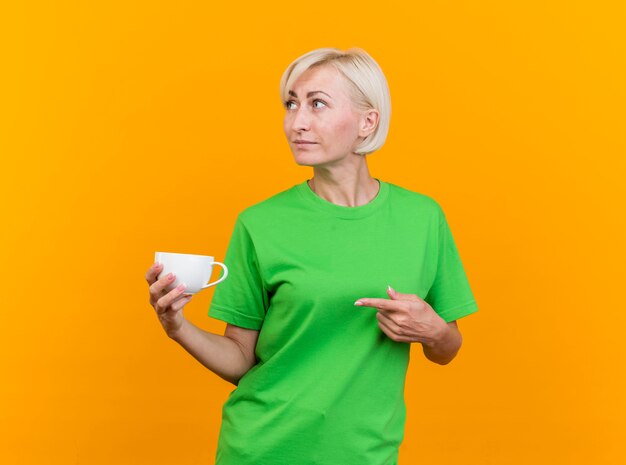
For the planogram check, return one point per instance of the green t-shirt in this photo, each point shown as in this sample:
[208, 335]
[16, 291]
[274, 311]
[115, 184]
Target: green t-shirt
[328, 388]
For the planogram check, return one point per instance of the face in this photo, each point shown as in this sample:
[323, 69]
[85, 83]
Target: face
[319, 111]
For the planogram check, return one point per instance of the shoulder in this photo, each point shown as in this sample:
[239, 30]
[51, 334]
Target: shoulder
[268, 209]
[414, 201]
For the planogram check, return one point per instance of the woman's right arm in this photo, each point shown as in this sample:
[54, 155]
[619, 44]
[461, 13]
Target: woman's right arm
[230, 356]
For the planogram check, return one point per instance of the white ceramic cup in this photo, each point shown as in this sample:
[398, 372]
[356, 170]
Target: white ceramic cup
[192, 270]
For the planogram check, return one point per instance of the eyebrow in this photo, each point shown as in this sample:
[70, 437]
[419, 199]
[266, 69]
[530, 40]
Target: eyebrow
[313, 92]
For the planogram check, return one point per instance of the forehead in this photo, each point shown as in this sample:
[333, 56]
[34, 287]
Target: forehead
[325, 78]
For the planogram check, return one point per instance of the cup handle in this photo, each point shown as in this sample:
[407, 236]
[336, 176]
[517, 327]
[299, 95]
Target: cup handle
[221, 279]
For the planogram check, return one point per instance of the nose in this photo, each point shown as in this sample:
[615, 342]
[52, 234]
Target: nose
[300, 119]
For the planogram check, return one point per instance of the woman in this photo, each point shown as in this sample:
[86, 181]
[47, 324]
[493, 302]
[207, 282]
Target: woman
[316, 341]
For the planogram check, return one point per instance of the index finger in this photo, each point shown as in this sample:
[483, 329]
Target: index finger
[381, 304]
[153, 272]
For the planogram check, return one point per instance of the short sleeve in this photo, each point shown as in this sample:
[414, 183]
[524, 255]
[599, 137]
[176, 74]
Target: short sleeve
[241, 299]
[450, 294]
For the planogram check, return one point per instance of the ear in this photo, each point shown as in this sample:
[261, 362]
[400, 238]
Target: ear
[368, 122]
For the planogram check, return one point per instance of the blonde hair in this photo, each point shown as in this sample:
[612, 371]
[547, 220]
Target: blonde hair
[367, 86]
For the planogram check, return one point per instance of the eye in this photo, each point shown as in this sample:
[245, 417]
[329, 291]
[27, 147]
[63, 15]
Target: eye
[289, 102]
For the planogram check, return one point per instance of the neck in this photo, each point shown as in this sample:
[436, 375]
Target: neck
[349, 192]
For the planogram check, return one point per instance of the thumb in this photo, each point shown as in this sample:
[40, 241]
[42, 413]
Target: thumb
[399, 296]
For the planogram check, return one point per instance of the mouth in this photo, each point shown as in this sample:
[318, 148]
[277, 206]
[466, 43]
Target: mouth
[303, 144]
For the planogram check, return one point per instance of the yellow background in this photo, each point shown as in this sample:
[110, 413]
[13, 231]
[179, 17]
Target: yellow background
[134, 127]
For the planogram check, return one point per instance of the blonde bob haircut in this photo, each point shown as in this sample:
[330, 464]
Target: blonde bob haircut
[367, 86]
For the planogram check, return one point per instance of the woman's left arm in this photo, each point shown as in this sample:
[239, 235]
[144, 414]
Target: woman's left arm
[408, 318]
[444, 349]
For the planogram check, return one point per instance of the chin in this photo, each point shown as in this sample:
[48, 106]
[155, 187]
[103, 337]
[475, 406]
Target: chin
[300, 163]
[303, 160]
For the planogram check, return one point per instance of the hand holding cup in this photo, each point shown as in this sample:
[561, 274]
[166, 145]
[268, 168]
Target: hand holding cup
[173, 279]
[167, 304]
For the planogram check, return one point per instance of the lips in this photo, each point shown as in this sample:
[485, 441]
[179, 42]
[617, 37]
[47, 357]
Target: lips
[304, 142]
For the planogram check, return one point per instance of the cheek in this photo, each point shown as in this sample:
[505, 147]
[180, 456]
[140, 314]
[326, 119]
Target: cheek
[345, 130]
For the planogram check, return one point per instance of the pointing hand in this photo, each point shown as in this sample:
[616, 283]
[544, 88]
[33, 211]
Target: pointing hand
[406, 318]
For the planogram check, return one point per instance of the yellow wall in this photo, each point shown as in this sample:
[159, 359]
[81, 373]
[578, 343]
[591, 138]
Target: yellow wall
[128, 129]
